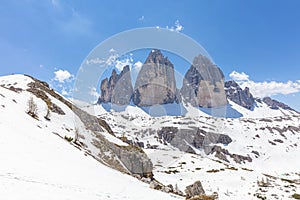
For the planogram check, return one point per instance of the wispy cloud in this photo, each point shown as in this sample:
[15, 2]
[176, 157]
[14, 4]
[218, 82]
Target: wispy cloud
[70, 21]
[113, 60]
[264, 89]
[237, 76]
[76, 24]
[55, 3]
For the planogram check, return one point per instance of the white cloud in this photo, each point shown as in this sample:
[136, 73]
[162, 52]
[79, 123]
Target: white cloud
[64, 92]
[138, 65]
[239, 76]
[94, 93]
[63, 82]
[112, 58]
[112, 50]
[264, 89]
[177, 27]
[62, 76]
[119, 64]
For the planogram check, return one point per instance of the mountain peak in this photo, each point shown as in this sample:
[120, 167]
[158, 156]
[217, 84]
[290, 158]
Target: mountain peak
[155, 56]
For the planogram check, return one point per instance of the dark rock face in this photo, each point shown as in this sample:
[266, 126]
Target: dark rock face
[194, 190]
[203, 84]
[117, 89]
[135, 160]
[183, 139]
[239, 96]
[155, 83]
[273, 104]
[222, 154]
[36, 88]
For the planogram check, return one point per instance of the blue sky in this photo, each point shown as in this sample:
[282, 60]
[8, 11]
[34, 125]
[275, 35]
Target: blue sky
[259, 38]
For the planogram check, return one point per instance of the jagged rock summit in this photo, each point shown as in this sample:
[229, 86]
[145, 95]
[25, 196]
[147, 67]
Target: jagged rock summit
[239, 96]
[118, 88]
[203, 84]
[155, 83]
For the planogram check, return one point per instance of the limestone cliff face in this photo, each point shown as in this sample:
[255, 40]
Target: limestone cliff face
[203, 84]
[236, 94]
[155, 83]
[117, 89]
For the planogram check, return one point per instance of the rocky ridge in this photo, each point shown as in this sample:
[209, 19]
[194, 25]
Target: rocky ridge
[274, 104]
[239, 96]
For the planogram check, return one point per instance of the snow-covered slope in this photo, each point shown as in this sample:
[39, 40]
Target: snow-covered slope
[265, 146]
[37, 163]
[232, 110]
[253, 155]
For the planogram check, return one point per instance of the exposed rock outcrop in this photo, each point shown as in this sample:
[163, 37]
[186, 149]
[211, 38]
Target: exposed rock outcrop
[274, 104]
[185, 139]
[223, 154]
[127, 159]
[194, 190]
[155, 83]
[203, 84]
[118, 88]
[239, 96]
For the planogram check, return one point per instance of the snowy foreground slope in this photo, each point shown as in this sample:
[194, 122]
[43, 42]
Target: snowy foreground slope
[36, 163]
[261, 161]
[254, 156]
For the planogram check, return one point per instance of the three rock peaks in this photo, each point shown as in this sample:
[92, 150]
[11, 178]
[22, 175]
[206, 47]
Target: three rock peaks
[203, 84]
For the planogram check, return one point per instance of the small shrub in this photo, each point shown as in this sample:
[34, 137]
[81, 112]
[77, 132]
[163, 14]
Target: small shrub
[287, 180]
[232, 168]
[47, 117]
[69, 139]
[76, 134]
[296, 196]
[32, 108]
[213, 171]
